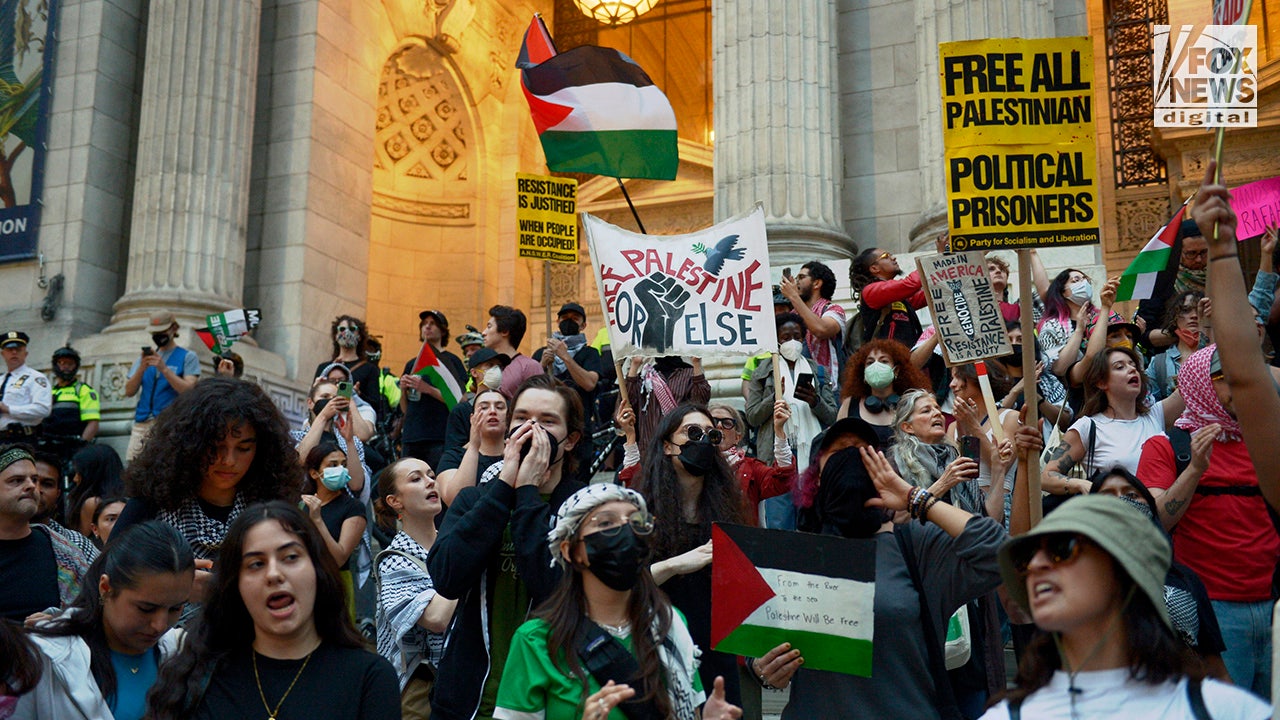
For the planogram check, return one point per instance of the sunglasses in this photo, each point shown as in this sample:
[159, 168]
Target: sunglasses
[695, 433]
[884, 256]
[1061, 548]
[344, 327]
[610, 524]
[723, 422]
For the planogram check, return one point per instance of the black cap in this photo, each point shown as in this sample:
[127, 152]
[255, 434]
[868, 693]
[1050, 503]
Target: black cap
[484, 355]
[1189, 228]
[572, 307]
[14, 339]
[438, 316]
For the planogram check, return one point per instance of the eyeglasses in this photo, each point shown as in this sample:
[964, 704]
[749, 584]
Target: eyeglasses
[802, 276]
[695, 433]
[724, 422]
[1062, 549]
[1196, 253]
[610, 524]
[346, 327]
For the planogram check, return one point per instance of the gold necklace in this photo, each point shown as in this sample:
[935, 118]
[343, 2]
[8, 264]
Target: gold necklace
[271, 714]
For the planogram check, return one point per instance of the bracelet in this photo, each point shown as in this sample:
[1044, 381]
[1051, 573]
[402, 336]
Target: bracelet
[924, 511]
[918, 501]
[1225, 256]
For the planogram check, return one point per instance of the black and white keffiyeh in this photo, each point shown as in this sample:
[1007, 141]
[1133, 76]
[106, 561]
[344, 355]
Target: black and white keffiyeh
[203, 532]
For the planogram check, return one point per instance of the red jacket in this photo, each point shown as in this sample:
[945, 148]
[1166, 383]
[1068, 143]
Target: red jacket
[883, 292]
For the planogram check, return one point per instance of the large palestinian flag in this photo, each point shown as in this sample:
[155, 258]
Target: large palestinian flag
[596, 111]
[816, 592]
[1156, 259]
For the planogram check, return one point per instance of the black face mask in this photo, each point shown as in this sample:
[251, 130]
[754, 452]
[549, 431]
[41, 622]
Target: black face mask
[616, 559]
[698, 457]
[569, 327]
[160, 339]
[528, 446]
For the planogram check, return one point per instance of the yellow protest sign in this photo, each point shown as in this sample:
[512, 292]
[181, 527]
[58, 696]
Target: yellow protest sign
[1018, 126]
[546, 218]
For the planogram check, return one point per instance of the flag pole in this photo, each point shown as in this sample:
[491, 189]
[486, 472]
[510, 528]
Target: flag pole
[1220, 138]
[1030, 394]
[631, 205]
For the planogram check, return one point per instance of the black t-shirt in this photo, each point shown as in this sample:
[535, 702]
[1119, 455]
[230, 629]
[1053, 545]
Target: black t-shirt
[425, 418]
[347, 683]
[365, 375]
[138, 510]
[28, 576]
[335, 513]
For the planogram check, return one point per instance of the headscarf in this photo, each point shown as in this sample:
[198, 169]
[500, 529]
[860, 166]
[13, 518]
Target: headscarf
[13, 455]
[1203, 407]
[580, 504]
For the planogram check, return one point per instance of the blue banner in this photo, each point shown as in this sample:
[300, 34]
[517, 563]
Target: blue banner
[27, 44]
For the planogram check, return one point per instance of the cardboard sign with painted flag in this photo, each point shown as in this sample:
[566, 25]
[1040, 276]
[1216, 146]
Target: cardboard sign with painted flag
[705, 294]
[816, 592]
[225, 328]
[429, 367]
[596, 110]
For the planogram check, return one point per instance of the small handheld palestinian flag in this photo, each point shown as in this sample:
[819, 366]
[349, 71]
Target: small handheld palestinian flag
[816, 592]
[429, 367]
[596, 111]
[224, 329]
[1139, 279]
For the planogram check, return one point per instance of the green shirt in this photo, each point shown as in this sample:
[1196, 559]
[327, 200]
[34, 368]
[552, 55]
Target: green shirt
[534, 687]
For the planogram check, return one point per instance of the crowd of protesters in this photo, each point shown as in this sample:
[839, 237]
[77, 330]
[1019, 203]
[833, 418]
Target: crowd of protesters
[409, 553]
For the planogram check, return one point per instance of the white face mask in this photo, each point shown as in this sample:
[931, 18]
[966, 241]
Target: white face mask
[1082, 292]
[791, 350]
[492, 377]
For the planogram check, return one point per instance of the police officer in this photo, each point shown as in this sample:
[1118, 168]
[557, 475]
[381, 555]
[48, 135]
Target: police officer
[76, 409]
[25, 398]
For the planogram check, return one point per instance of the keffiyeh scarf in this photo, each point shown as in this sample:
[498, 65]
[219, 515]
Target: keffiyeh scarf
[1203, 407]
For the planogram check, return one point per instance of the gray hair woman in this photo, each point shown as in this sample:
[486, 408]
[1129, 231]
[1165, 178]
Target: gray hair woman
[925, 457]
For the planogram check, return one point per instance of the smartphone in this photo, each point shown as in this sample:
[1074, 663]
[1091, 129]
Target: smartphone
[344, 389]
[146, 350]
[970, 447]
[786, 272]
[804, 379]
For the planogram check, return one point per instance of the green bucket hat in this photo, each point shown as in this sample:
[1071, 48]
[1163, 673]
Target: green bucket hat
[1128, 536]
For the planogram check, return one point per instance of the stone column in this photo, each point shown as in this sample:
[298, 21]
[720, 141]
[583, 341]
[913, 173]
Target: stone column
[777, 139]
[187, 243]
[939, 21]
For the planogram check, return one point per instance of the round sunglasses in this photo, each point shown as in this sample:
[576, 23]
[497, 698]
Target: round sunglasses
[695, 433]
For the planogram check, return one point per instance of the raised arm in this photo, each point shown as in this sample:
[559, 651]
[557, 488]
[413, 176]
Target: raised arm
[1253, 393]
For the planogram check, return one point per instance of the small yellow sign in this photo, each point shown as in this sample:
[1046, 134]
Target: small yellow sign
[546, 218]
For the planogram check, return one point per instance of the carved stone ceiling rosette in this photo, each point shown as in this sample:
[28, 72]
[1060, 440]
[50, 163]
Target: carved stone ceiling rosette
[424, 156]
[1137, 220]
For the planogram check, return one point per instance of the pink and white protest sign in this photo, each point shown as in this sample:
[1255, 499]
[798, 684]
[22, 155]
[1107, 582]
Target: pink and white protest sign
[1257, 205]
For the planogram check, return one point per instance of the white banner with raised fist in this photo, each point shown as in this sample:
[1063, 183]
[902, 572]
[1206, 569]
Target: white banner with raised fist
[705, 294]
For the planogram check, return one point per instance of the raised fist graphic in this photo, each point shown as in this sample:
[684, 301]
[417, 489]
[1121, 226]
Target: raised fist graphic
[663, 298]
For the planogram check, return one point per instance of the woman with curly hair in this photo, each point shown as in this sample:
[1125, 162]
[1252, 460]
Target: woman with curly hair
[875, 377]
[1182, 323]
[275, 605]
[218, 448]
[689, 485]
[350, 335]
